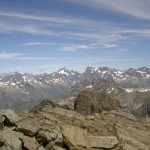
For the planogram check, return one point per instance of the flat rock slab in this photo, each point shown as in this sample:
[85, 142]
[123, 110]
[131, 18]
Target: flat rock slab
[103, 142]
[123, 114]
[75, 137]
[127, 141]
[28, 127]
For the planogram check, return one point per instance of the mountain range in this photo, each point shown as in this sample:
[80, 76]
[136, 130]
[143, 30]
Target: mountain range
[21, 91]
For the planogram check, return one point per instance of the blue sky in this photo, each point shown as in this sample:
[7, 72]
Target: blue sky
[44, 35]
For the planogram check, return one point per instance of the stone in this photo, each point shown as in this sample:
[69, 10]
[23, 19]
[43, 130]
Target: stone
[1, 119]
[123, 114]
[59, 141]
[57, 148]
[2, 141]
[47, 136]
[60, 111]
[1, 122]
[30, 143]
[103, 142]
[50, 145]
[8, 134]
[12, 144]
[126, 141]
[74, 137]
[31, 115]
[41, 148]
[139, 135]
[11, 118]
[18, 135]
[28, 127]
[70, 113]
[90, 117]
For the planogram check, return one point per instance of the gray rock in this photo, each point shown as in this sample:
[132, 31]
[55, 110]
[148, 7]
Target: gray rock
[103, 142]
[30, 143]
[41, 148]
[12, 144]
[2, 141]
[47, 136]
[59, 141]
[57, 148]
[60, 111]
[50, 145]
[28, 127]
[10, 116]
[1, 122]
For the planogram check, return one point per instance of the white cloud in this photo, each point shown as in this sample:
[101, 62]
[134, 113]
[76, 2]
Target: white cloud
[103, 59]
[85, 29]
[36, 58]
[44, 43]
[55, 20]
[107, 45]
[9, 55]
[120, 51]
[135, 8]
[35, 44]
[73, 48]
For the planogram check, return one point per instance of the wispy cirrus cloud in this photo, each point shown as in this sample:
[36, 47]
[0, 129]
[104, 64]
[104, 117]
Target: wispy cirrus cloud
[85, 29]
[35, 44]
[73, 48]
[55, 20]
[9, 55]
[108, 45]
[135, 8]
[121, 51]
[36, 58]
[104, 59]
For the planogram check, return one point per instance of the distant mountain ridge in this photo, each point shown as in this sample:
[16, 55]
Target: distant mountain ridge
[28, 88]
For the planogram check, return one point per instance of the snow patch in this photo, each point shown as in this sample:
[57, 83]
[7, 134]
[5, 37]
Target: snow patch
[89, 87]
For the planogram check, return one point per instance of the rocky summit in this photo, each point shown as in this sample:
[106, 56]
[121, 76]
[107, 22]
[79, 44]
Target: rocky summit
[51, 127]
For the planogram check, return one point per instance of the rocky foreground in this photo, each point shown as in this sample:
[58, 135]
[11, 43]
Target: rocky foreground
[49, 127]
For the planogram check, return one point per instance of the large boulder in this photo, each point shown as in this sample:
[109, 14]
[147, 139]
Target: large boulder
[28, 127]
[88, 102]
[11, 118]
